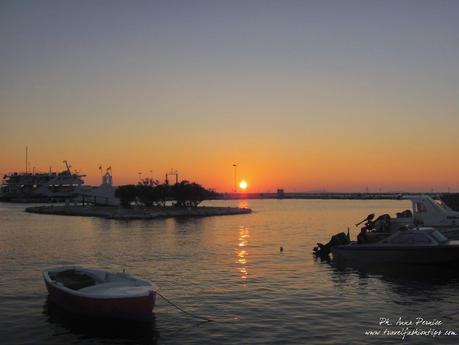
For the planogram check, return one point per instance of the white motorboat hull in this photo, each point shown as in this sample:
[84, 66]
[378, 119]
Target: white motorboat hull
[374, 254]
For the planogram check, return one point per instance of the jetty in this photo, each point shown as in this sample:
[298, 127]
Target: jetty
[115, 212]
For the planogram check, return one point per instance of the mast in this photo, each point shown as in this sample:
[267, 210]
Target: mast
[26, 158]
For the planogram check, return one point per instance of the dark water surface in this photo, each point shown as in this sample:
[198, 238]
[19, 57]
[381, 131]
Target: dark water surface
[228, 268]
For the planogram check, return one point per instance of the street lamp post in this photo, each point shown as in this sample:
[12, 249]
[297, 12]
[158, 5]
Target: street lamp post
[235, 177]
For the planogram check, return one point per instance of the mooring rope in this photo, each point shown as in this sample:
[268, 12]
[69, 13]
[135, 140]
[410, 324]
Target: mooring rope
[182, 310]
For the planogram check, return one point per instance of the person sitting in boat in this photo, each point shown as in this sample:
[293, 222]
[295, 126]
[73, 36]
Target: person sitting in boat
[369, 224]
[382, 223]
[405, 214]
[372, 230]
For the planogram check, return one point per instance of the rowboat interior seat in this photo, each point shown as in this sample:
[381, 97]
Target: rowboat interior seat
[73, 279]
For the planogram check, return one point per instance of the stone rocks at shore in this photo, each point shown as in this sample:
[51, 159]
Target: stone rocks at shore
[137, 213]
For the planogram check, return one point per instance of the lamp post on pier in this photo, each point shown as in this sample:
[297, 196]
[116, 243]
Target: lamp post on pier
[235, 177]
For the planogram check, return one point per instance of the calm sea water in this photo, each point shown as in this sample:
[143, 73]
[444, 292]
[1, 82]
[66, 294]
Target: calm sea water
[227, 268]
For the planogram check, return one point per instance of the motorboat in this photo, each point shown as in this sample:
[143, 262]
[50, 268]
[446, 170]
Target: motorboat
[100, 293]
[412, 246]
[425, 211]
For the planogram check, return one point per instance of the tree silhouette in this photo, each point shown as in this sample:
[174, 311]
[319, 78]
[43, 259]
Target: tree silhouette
[162, 192]
[188, 194]
[127, 194]
[146, 194]
[185, 194]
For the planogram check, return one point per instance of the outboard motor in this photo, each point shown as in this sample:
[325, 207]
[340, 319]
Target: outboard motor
[323, 250]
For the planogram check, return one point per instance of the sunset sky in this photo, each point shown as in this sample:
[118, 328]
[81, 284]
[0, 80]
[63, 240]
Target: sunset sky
[301, 95]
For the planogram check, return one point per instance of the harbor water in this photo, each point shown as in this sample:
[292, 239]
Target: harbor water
[227, 268]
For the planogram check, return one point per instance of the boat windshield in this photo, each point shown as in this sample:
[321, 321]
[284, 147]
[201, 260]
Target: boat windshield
[439, 236]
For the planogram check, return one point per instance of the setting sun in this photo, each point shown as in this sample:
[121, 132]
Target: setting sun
[243, 185]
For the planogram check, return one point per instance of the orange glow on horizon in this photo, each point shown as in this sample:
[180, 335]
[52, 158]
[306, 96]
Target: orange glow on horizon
[403, 164]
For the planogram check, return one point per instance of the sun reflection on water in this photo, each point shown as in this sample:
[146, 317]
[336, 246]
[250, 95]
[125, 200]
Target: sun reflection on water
[243, 203]
[242, 252]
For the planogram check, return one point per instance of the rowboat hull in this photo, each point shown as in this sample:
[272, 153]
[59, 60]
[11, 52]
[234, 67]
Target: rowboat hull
[116, 307]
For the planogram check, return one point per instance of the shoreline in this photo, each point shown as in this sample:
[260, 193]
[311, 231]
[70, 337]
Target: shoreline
[115, 212]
